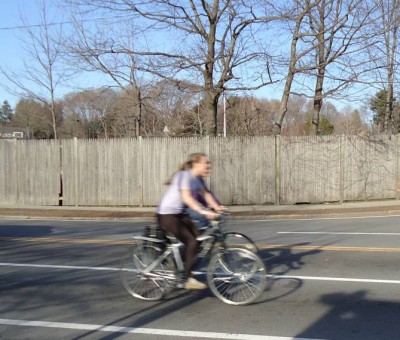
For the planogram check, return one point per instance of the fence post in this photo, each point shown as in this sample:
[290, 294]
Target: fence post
[16, 171]
[76, 171]
[397, 167]
[140, 139]
[210, 157]
[278, 169]
[61, 192]
[341, 161]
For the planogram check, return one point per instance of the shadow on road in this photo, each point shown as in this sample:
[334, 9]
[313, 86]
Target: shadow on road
[355, 316]
[155, 311]
[24, 231]
[280, 262]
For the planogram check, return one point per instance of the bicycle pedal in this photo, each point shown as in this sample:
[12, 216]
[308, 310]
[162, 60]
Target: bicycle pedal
[204, 237]
[180, 285]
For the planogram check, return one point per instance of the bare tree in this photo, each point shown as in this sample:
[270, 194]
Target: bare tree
[42, 71]
[336, 26]
[298, 114]
[327, 45]
[93, 114]
[213, 43]
[177, 109]
[249, 116]
[35, 117]
[86, 48]
[299, 11]
[384, 56]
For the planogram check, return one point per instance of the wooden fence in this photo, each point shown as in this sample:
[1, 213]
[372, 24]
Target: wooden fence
[251, 170]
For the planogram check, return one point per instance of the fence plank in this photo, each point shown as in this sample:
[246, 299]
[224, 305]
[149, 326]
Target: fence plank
[29, 172]
[243, 169]
[131, 172]
[108, 172]
[8, 172]
[310, 169]
[370, 168]
[161, 158]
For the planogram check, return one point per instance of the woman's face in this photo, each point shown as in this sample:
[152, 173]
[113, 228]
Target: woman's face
[202, 167]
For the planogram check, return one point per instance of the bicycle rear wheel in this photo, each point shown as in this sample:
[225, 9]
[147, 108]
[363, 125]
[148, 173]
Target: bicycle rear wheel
[237, 276]
[150, 286]
[239, 240]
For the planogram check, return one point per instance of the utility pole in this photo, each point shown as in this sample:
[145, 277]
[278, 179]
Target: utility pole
[224, 114]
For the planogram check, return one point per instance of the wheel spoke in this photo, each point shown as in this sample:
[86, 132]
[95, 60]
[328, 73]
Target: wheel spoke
[149, 286]
[237, 276]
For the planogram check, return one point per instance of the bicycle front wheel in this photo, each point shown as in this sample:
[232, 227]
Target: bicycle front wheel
[237, 276]
[150, 286]
[239, 240]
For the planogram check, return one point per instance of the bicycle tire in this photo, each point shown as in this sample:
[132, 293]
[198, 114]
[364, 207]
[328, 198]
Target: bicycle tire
[239, 240]
[237, 276]
[153, 286]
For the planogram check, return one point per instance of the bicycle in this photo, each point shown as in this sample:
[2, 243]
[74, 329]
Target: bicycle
[235, 273]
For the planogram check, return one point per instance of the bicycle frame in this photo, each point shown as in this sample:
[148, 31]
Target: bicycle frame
[214, 233]
[172, 248]
[235, 275]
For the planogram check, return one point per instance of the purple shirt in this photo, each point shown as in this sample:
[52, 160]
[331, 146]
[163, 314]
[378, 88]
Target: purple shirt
[172, 202]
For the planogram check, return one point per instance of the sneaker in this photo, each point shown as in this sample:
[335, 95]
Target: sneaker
[193, 284]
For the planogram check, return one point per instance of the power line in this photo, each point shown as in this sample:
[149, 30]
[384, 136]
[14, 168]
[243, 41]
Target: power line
[60, 23]
[32, 26]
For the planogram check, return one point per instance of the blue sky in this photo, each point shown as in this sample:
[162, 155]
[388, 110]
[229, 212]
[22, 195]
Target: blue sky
[10, 16]
[12, 52]
[11, 56]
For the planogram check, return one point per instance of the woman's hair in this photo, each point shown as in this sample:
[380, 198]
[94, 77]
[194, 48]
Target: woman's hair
[193, 158]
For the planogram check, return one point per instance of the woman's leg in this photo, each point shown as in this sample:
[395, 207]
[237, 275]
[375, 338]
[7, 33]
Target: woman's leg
[189, 232]
[201, 220]
[185, 231]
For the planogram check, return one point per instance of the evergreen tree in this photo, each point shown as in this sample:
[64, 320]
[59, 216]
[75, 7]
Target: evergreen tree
[6, 112]
[378, 105]
[325, 126]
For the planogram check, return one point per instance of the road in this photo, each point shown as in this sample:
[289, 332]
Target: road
[328, 279]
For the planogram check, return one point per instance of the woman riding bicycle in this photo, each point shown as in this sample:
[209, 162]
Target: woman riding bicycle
[205, 197]
[181, 193]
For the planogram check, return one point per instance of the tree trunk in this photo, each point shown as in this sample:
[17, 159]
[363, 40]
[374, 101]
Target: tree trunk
[284, 101]
[317, 105]
[292, 70]
[211, 107]
[388, 122]
[138, 113]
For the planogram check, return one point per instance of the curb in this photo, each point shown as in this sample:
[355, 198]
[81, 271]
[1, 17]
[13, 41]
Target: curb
[247, 215]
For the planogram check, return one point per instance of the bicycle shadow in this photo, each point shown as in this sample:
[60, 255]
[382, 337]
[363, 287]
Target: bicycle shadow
[280, 263]
[279, 260]
[178, 299]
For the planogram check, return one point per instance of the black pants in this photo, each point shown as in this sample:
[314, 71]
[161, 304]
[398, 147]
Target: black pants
[185, 231]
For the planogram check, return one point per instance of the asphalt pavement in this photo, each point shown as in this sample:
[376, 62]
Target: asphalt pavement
[327, 279]
[251, 212]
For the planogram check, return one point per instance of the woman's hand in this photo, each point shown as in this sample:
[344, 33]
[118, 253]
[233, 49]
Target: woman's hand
[210, 215]
[221, 209]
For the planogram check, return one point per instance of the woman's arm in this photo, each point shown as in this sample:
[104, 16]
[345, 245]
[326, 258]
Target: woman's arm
[188, 199]
[211, 201]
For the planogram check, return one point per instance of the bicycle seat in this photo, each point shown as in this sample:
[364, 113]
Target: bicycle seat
[172, 239]
[202, 238]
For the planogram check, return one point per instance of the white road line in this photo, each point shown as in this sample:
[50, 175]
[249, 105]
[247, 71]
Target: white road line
[276, 277]
[149, 331]
[236, 220]
[56, 266]
[336, 279]
[321, 218]
[335, 233]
